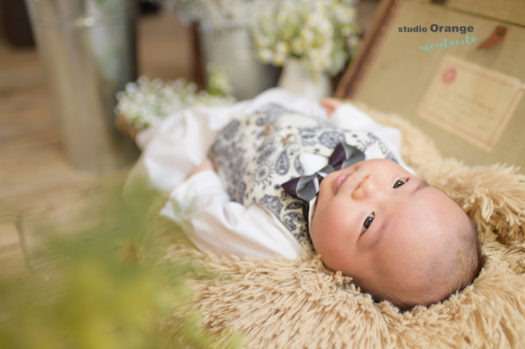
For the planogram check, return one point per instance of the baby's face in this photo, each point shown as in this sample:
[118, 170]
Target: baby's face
[381, 225]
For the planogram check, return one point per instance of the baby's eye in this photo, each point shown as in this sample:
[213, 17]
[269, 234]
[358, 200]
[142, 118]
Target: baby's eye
[399, 183]
[368, 221]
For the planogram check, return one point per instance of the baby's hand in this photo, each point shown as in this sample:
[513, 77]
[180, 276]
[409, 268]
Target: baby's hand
[330, 104]
[203, 166]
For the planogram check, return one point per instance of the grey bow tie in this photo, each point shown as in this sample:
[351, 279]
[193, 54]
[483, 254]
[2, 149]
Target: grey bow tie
[307, 187]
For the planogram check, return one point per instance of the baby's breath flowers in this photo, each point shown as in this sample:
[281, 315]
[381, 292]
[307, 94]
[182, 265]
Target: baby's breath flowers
[146, 102]
[321, 33]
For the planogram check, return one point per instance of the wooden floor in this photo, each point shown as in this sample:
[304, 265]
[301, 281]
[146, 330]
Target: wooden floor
[36, 181]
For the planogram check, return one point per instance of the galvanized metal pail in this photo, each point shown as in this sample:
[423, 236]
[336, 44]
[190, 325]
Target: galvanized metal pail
[89, 51]
[232, 50]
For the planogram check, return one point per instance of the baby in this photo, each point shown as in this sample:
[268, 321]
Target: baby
[399, 238]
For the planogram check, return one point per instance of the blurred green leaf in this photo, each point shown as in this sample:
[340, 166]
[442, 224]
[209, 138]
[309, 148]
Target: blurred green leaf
[107, 285]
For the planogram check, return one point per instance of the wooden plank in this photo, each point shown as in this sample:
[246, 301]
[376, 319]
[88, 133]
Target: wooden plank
[12, 259]
[357, 64]
[8, 234]
[12, 262]
[165, 49]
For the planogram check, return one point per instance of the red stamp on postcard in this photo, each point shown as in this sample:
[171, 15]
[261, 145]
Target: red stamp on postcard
[449, 75]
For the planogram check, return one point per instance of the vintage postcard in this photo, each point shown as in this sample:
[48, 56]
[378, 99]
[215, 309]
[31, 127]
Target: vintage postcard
[471, 101]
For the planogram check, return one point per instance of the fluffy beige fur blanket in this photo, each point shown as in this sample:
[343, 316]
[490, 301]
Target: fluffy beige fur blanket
[299, 303]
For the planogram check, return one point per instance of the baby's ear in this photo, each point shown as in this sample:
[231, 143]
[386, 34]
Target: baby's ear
[330, 104]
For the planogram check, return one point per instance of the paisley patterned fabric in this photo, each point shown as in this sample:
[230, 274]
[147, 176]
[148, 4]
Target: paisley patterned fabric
[257, 152]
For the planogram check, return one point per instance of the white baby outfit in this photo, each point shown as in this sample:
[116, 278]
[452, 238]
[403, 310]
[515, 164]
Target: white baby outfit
[255, 146]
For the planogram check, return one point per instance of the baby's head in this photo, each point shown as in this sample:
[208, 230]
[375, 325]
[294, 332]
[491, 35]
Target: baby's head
[399, 238]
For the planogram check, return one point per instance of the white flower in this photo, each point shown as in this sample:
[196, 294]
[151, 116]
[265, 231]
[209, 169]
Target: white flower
[316, 31]
[307, 36]
[282, 48]
[265, 55]
[279, 59]
[145, 103]
[297, 46]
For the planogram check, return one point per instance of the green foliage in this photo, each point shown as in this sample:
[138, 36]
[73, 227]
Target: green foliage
[106, 286]
[218, 83]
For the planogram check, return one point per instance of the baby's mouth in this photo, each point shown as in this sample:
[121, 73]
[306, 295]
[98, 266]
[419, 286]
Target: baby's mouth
[339, 180]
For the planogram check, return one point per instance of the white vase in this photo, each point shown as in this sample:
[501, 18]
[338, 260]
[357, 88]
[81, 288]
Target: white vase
[297, 78]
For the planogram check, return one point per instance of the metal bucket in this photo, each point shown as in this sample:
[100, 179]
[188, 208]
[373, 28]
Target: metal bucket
[231, 49]
[89, 52]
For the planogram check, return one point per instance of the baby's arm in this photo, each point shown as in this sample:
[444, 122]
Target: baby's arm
[345, 115]
[216, 224]
[203, 166]
[174, 147]
[330, 105]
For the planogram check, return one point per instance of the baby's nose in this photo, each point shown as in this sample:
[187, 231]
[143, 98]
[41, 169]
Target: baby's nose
[365, 189]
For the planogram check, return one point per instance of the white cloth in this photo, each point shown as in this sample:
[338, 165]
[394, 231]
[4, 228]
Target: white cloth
[201, 205]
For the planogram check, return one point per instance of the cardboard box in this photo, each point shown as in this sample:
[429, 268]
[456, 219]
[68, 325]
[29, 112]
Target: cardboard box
[454, 69]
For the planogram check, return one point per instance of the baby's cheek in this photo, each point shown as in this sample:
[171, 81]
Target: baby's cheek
[321, 227]
[334, 222]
